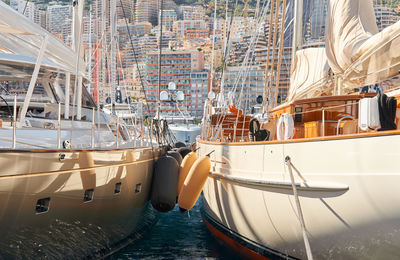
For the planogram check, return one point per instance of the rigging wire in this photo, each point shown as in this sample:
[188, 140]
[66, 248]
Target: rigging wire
[213, 44]
[135, 57]
[258, 24]
[227, 43]
[159, 58]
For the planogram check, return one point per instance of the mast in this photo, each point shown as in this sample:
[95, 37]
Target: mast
[113, 64]
[297, 29]
[273, 90]
[76, 46]
[213, 46]
[159, 59]
[103, 48]
[222, 88]
[280, 53]
[90, 51]
[267, 70]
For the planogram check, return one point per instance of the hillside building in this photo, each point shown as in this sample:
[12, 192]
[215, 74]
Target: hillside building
[177, 67]
[180, 27]
[192, 12]
[57, 16]
[169, 17]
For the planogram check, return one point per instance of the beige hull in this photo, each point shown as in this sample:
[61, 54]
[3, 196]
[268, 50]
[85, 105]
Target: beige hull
[349, 193]
[71, 227]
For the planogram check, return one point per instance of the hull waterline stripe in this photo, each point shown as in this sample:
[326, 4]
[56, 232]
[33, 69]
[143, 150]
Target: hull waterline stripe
[287, 185]
[243, 244]
[71, 170]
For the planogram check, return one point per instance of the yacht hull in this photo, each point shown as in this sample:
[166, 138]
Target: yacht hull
[348, 191]
[97, 201]
[185, 133]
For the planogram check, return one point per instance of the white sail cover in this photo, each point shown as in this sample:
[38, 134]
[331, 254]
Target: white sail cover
[356, 51]
[20, 36]
[310, 77]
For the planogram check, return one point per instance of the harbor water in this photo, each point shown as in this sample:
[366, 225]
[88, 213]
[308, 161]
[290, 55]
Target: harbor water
[177, 236]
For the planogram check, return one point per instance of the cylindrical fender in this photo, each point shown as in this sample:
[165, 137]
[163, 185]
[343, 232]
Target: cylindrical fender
[186, 165]
[176, 155]
[179, 145]
[165, 181]
[194, 183]
[184, 151]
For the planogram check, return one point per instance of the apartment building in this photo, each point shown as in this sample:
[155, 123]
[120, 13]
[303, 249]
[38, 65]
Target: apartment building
[177, 67]
[180, 27]
[192, 12]
[200, 86]
[57, 15]
[169, 17]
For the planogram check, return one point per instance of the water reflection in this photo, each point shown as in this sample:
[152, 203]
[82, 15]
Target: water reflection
[177, 236]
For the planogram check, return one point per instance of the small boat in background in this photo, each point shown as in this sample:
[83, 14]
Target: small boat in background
[182, 125]
[184, 129]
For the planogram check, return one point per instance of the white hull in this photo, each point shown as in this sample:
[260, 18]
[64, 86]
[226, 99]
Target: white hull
[348, 190]
[185, 133]
[73, 228]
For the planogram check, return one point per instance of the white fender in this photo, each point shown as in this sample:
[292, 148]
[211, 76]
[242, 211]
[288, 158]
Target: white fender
[285, 127]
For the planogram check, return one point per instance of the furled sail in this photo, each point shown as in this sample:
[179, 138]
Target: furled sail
[21, 39]
[356, 51]
[310, 77]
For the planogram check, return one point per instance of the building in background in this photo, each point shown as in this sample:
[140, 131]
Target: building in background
[148, 10]
[141, 46]
[57, 16]
[385, 16]
[125, 9]
[169, 17]
[177, 67]
[192, 12]
[180, 27]
[315, 26]
[142, 28]
[200, 86]
[196, 34]
[245, 84]
[34, 11]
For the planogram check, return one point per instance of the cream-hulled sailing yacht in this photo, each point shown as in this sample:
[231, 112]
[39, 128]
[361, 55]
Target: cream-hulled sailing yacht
[73, 184]
[323, 181]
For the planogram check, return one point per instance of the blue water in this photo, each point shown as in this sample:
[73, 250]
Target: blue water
[177, 236]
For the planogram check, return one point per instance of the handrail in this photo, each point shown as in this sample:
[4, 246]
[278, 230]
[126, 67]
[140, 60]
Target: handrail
[340, 120]
[322, 109]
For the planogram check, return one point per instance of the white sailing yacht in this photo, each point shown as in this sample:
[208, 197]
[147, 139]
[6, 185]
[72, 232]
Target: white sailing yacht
[70, 186]
[323, 184]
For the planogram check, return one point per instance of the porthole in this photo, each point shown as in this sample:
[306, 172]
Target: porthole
[138, 188]
[42, 205]
[88, 195]
[117, 188]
